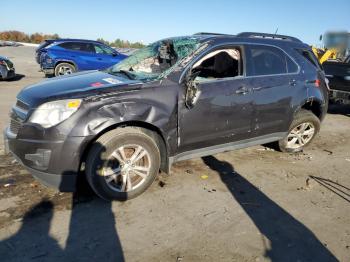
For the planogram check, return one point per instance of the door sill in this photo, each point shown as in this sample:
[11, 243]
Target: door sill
[206, 151]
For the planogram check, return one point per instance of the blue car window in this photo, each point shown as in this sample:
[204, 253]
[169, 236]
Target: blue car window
[76, 46]
[88, 48]
[100, 49]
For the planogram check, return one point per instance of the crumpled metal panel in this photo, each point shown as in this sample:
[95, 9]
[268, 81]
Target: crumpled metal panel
[157, 109]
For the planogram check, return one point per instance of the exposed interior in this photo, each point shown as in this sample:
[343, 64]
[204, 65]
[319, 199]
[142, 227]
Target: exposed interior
[164, 58]
[221, 63]
[158, 58]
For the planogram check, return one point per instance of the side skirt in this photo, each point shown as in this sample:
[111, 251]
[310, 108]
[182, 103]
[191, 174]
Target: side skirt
[226, 147]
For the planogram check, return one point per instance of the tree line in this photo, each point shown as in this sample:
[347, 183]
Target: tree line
[121, 43]
[18, 36]
[37, 38]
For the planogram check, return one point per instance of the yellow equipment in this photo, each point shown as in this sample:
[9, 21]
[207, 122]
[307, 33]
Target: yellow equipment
[325, 54]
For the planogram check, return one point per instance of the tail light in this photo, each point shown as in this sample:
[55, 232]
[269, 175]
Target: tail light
[317, 82]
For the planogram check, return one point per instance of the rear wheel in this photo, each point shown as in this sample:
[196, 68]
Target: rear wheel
[302, 131]
[64, 69]
[122, 163]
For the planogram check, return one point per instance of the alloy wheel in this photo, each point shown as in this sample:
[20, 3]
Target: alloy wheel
[300, 135]
[64, 70]
[127, 168]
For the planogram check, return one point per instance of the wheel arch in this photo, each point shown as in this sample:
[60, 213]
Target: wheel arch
[149, 129]
[314, 106]
[60, 61]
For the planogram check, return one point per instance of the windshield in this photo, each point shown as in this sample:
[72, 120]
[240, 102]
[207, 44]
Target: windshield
[156, 60]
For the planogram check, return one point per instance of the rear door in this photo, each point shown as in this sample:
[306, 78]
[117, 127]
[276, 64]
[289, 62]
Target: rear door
[88, 57]
[273, 80]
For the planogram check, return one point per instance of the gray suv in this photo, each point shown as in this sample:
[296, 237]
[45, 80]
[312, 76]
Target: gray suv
[176, 99]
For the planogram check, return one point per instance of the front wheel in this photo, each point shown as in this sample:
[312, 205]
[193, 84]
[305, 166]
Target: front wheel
[64, 69]
[302, 131]
[122, 163]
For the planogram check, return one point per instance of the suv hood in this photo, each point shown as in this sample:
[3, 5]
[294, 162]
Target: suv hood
[78, 85]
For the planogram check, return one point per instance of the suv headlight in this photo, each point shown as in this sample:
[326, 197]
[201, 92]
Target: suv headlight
[53, 113]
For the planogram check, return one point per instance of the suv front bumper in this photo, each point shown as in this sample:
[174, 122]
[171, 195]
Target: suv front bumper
[48, 71]
[54, 163]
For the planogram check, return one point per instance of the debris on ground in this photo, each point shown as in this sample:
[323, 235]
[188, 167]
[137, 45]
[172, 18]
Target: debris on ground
[328, 151]
[33, 184]
[301, 156]
[209, 190]
[265, 149]
[161, 183]
[204, 177]
[9, 183]
[309, 183]
[207, 214]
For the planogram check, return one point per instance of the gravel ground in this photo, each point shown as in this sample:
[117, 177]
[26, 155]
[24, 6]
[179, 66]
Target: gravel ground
[253, 204]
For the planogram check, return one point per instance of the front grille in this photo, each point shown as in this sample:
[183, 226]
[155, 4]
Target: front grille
[15, 126]
[18, 115]
[22, 105]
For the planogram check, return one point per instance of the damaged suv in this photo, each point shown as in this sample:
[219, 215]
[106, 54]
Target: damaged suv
[176, 99]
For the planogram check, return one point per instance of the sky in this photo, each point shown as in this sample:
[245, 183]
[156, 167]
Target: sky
[150, 20]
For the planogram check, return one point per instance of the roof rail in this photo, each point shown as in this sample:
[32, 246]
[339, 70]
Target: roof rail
[265, 35]
[207, 33]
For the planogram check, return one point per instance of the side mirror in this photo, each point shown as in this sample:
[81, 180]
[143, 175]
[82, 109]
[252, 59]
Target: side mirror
[191, 76]
[115, 54]
[192, 92]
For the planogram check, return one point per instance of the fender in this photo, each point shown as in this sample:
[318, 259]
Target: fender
[140, 107]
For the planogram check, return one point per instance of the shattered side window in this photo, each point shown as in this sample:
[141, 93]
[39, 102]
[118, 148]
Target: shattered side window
[157, 59]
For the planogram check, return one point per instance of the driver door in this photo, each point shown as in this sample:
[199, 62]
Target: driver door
[222, 108]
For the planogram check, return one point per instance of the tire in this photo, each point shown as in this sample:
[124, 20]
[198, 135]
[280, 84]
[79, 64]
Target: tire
[64, 69]
[111, 174]
[300, 131]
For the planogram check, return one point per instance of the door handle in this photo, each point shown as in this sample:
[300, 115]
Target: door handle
[242, 90]
[99, 59]
[257, 88]
[293, 82]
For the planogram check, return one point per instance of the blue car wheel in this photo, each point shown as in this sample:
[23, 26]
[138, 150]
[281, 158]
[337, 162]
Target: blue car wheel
[64, 69]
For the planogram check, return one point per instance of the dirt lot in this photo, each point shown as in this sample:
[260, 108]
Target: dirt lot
[253, 204]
